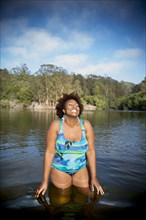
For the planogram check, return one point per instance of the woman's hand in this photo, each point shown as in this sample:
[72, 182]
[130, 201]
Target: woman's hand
[95, 184]
[41, 189]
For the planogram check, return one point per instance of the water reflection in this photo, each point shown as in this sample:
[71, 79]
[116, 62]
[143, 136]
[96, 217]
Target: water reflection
[71, 203]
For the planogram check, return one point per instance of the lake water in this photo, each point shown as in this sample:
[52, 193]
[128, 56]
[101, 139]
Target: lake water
[120, 142]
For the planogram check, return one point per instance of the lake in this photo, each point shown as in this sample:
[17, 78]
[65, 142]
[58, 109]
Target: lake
[120, 142]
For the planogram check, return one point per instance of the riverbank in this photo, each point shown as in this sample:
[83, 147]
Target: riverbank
[36, 106]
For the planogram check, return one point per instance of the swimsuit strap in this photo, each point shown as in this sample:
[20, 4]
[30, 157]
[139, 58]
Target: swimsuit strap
[61, 126]
[83, 127]
[82, 124]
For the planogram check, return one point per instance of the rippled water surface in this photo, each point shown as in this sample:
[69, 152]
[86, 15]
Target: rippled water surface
[120, 143]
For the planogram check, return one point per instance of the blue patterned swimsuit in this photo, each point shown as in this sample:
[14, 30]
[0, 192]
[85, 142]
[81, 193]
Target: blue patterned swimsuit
[70, 156]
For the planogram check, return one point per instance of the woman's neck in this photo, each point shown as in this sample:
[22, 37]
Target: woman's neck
[71, 122]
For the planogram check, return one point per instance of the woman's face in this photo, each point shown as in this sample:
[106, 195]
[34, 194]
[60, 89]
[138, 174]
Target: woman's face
[71, 108]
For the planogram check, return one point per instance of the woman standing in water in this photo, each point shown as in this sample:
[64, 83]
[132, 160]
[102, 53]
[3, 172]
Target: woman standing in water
[70, 149]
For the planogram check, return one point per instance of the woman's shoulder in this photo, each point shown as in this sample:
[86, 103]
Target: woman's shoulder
[55, 124]
[56, 121]
[87, 124]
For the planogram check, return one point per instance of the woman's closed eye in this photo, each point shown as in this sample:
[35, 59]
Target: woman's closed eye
[70, 105]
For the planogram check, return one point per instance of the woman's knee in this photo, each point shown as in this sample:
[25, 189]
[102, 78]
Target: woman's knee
[65, 185]
[81, 183]
[58, 196]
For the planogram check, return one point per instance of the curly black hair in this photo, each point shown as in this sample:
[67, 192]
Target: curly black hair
[61, 103]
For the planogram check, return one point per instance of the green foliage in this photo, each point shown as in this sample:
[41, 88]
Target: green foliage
[135, 101]
[50, 82]
[98, 101]
[4, 103]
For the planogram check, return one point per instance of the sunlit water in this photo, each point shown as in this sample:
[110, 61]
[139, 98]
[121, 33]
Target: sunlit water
[120, 143]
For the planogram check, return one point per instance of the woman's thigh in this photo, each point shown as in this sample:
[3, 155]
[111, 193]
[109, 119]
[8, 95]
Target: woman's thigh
[60, 179]
[81, 178]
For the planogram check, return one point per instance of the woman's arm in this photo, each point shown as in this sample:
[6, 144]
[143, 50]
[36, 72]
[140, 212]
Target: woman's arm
[49, 155]
[91, 156]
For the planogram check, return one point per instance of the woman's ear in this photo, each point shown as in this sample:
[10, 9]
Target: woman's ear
[63, 111]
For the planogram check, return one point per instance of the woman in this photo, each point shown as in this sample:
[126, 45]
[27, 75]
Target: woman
[70, 149]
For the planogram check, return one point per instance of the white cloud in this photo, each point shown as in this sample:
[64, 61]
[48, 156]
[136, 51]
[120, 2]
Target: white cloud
[128, 53]
[35, 46]
[18, 52]
[81, 40]
[102, 68]
[120, 70]
[71, 62]
[38, 41]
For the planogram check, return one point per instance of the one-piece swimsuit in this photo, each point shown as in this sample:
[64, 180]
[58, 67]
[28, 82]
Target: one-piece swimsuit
[70, 156]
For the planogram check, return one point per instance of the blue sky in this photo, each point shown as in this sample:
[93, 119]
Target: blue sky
[102, 37]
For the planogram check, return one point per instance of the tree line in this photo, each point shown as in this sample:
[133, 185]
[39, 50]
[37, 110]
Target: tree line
[50, 82]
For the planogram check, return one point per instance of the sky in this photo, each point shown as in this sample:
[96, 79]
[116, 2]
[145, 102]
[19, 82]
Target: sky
[100, 37]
